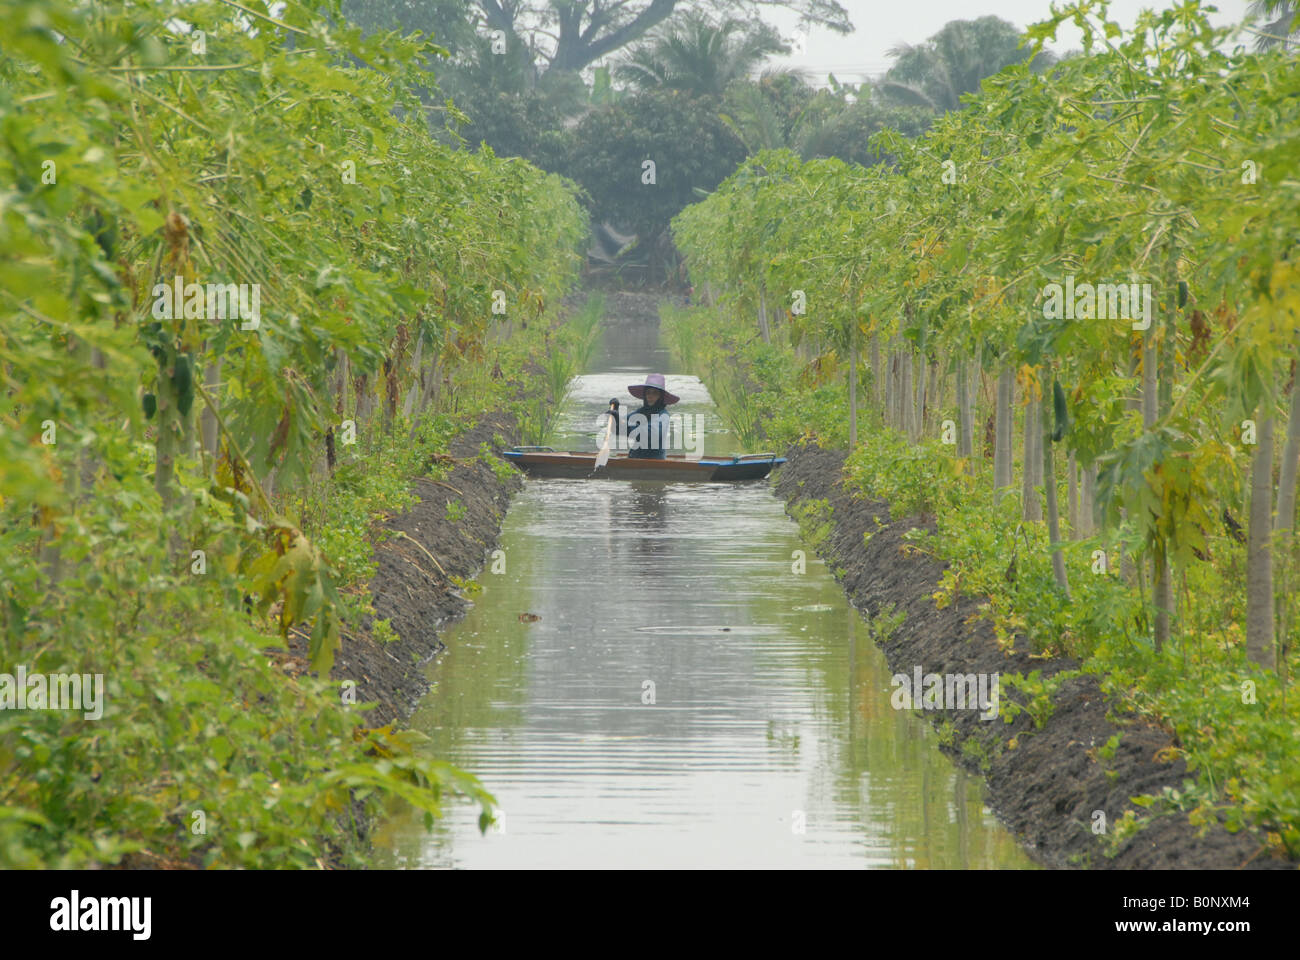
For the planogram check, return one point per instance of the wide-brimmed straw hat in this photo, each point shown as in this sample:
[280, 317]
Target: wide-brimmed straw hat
[655, 380]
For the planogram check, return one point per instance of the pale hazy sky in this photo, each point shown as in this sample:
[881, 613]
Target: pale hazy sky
[880, 24]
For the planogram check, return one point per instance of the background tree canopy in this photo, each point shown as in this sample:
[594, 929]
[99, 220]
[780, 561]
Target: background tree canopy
[936, 73]
[569, 35]
[689, 144]
[695, 55]
[592, 89]
[575, 33]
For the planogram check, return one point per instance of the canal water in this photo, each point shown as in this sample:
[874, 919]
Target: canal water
[683, 698]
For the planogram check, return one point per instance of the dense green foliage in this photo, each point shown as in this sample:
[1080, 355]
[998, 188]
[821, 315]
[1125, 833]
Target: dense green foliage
[689, 146]
[954, 61]
[1155, 158]
[161, 478]
[691, 66]
[698, 57]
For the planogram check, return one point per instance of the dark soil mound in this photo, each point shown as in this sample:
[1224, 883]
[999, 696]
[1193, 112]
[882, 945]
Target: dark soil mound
[415, 593]
[1045, 784]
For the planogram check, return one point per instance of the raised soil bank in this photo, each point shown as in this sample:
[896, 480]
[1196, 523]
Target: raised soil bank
[1047, 786]
[415, 593]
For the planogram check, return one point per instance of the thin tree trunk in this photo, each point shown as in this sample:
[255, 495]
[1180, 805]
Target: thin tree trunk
[165, 444]
[916, 369]
[1031, 508]
[170, 431]
[918, 381]
[1072, 494]
[877, 375]
[365, 400]
[343, 399]
[1053, 514]
[909, 393]
[1284, 521]
[389, 384]
[426, 394]
[1259, 556]
[945, 381]
[965, 415]
[853, 389]
[408, 405]
[1162, 595]
[1163, 588]
[1161, 592]
[1003, 424]
[933, 401]
[1036, 464]
[896, 371]
[188, 439]
[762, 315]
[887, 375]
[430, 385]
[1127, 570]
[1088, 501]
[1165, 393]
[904, 390]
[916, 384]
[1287, 473]
[208, 419]
[1150, 391]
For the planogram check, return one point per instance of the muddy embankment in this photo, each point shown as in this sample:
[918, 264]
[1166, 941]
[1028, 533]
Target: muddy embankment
[412, 587]
[416, 557]
[1045, 784]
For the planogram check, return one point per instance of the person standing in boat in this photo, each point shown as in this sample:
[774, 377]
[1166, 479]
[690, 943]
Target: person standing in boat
[647, 426]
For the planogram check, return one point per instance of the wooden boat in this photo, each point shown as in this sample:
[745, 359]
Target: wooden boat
[546, 462]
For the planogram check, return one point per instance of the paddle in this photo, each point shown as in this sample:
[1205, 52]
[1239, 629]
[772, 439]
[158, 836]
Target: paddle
[603, 457]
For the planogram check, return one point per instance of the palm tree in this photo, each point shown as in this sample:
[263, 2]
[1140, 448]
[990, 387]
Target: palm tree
[780, 110]
[771, 112]
[698, 56]
[936, 73]
[1276, 32]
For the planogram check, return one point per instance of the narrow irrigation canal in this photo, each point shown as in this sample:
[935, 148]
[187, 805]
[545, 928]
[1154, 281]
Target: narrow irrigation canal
[771, 741]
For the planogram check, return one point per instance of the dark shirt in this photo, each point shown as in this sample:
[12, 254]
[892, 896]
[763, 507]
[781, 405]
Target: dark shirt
[656, 447]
